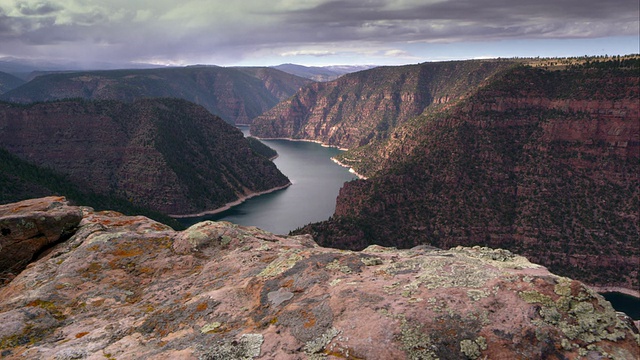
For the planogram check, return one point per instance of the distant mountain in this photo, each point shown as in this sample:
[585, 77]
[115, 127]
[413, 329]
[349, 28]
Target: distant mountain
[236, 95]
[543, 163]
[168, 155]
[321, 73]
[9, 82]
[361, 107]
[23, 68]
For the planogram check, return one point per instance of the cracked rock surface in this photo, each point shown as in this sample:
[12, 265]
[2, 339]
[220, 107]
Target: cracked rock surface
[130, 288]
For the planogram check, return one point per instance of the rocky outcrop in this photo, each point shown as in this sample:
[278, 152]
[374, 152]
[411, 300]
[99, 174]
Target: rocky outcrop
[27, 228]
[127, 287]
[543, 163]
[165, 154]
[359, 108]
[235, 95]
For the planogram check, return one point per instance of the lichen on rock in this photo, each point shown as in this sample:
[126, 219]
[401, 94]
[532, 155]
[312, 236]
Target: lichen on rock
[127, 287]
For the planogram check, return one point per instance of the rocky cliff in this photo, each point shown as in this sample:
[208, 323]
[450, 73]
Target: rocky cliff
[237, 95]
[128, 288]
[365, 106]
[543, 163]
[166, 154]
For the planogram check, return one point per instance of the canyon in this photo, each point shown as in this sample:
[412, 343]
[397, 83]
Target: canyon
[237, 95]
[543, 162]
[169, 155]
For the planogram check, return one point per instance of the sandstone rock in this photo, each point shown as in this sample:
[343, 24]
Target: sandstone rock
[543, 163]
[235, 94]
[127, 287]
[28, 227]
[167, 155]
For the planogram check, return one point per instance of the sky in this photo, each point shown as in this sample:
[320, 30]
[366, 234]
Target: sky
[313, 32]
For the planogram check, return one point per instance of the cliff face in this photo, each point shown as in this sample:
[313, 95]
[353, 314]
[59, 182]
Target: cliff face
[128, 287]
[365, 106]
[169, 155]
[235, 95]
[542, 163]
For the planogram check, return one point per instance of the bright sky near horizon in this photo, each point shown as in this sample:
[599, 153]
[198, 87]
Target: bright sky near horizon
[313, 32]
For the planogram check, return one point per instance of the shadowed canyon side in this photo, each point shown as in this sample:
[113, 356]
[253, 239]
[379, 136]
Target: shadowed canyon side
[365, 106]
[122, 287]
[235, 94]
[165, 154]
[9, 82]
[543, 163]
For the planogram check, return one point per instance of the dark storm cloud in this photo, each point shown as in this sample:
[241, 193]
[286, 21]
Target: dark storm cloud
[191, 29]
[40, 8]
[449, 20]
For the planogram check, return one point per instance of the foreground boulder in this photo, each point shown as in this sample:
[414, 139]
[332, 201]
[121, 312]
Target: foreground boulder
[29, 227]
[130, 288]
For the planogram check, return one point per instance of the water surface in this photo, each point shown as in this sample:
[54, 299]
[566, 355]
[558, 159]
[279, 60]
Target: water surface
[316, 181]
[628, 304]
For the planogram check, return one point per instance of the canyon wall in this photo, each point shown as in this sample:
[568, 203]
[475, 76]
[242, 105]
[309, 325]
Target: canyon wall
[235, 94]
[165, 154]
[361, 107]
[543, 163]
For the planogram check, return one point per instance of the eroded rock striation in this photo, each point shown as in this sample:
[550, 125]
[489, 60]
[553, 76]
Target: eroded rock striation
[128, 287]
[168, 155]
[362, 107]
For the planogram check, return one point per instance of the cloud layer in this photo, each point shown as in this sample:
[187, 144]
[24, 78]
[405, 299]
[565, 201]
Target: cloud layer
[229, 31]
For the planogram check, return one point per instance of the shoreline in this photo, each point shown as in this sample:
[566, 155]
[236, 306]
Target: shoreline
[303, 140]
[626, 291]
[229, 205]
[351, 170]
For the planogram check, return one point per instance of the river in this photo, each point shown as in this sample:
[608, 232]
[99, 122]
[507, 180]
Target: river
[316, 181]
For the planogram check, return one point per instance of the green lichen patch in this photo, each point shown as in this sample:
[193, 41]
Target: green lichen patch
[336, 265]
[443, 338]
[583, 319]
[246, 348]
[470, 349]
[371, 260]
[50, 307]
[211, 328]
[499, 258]
[442, 272]
[533, 297]
[476, 295]
[318, 344]
[280, 265]
[416, 343]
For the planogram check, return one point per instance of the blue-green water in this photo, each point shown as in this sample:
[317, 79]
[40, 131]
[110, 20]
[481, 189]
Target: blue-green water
[316, 181]
[628, 304]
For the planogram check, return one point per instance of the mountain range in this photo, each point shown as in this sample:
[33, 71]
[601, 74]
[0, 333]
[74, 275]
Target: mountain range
[321, 73]
[235, 94]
